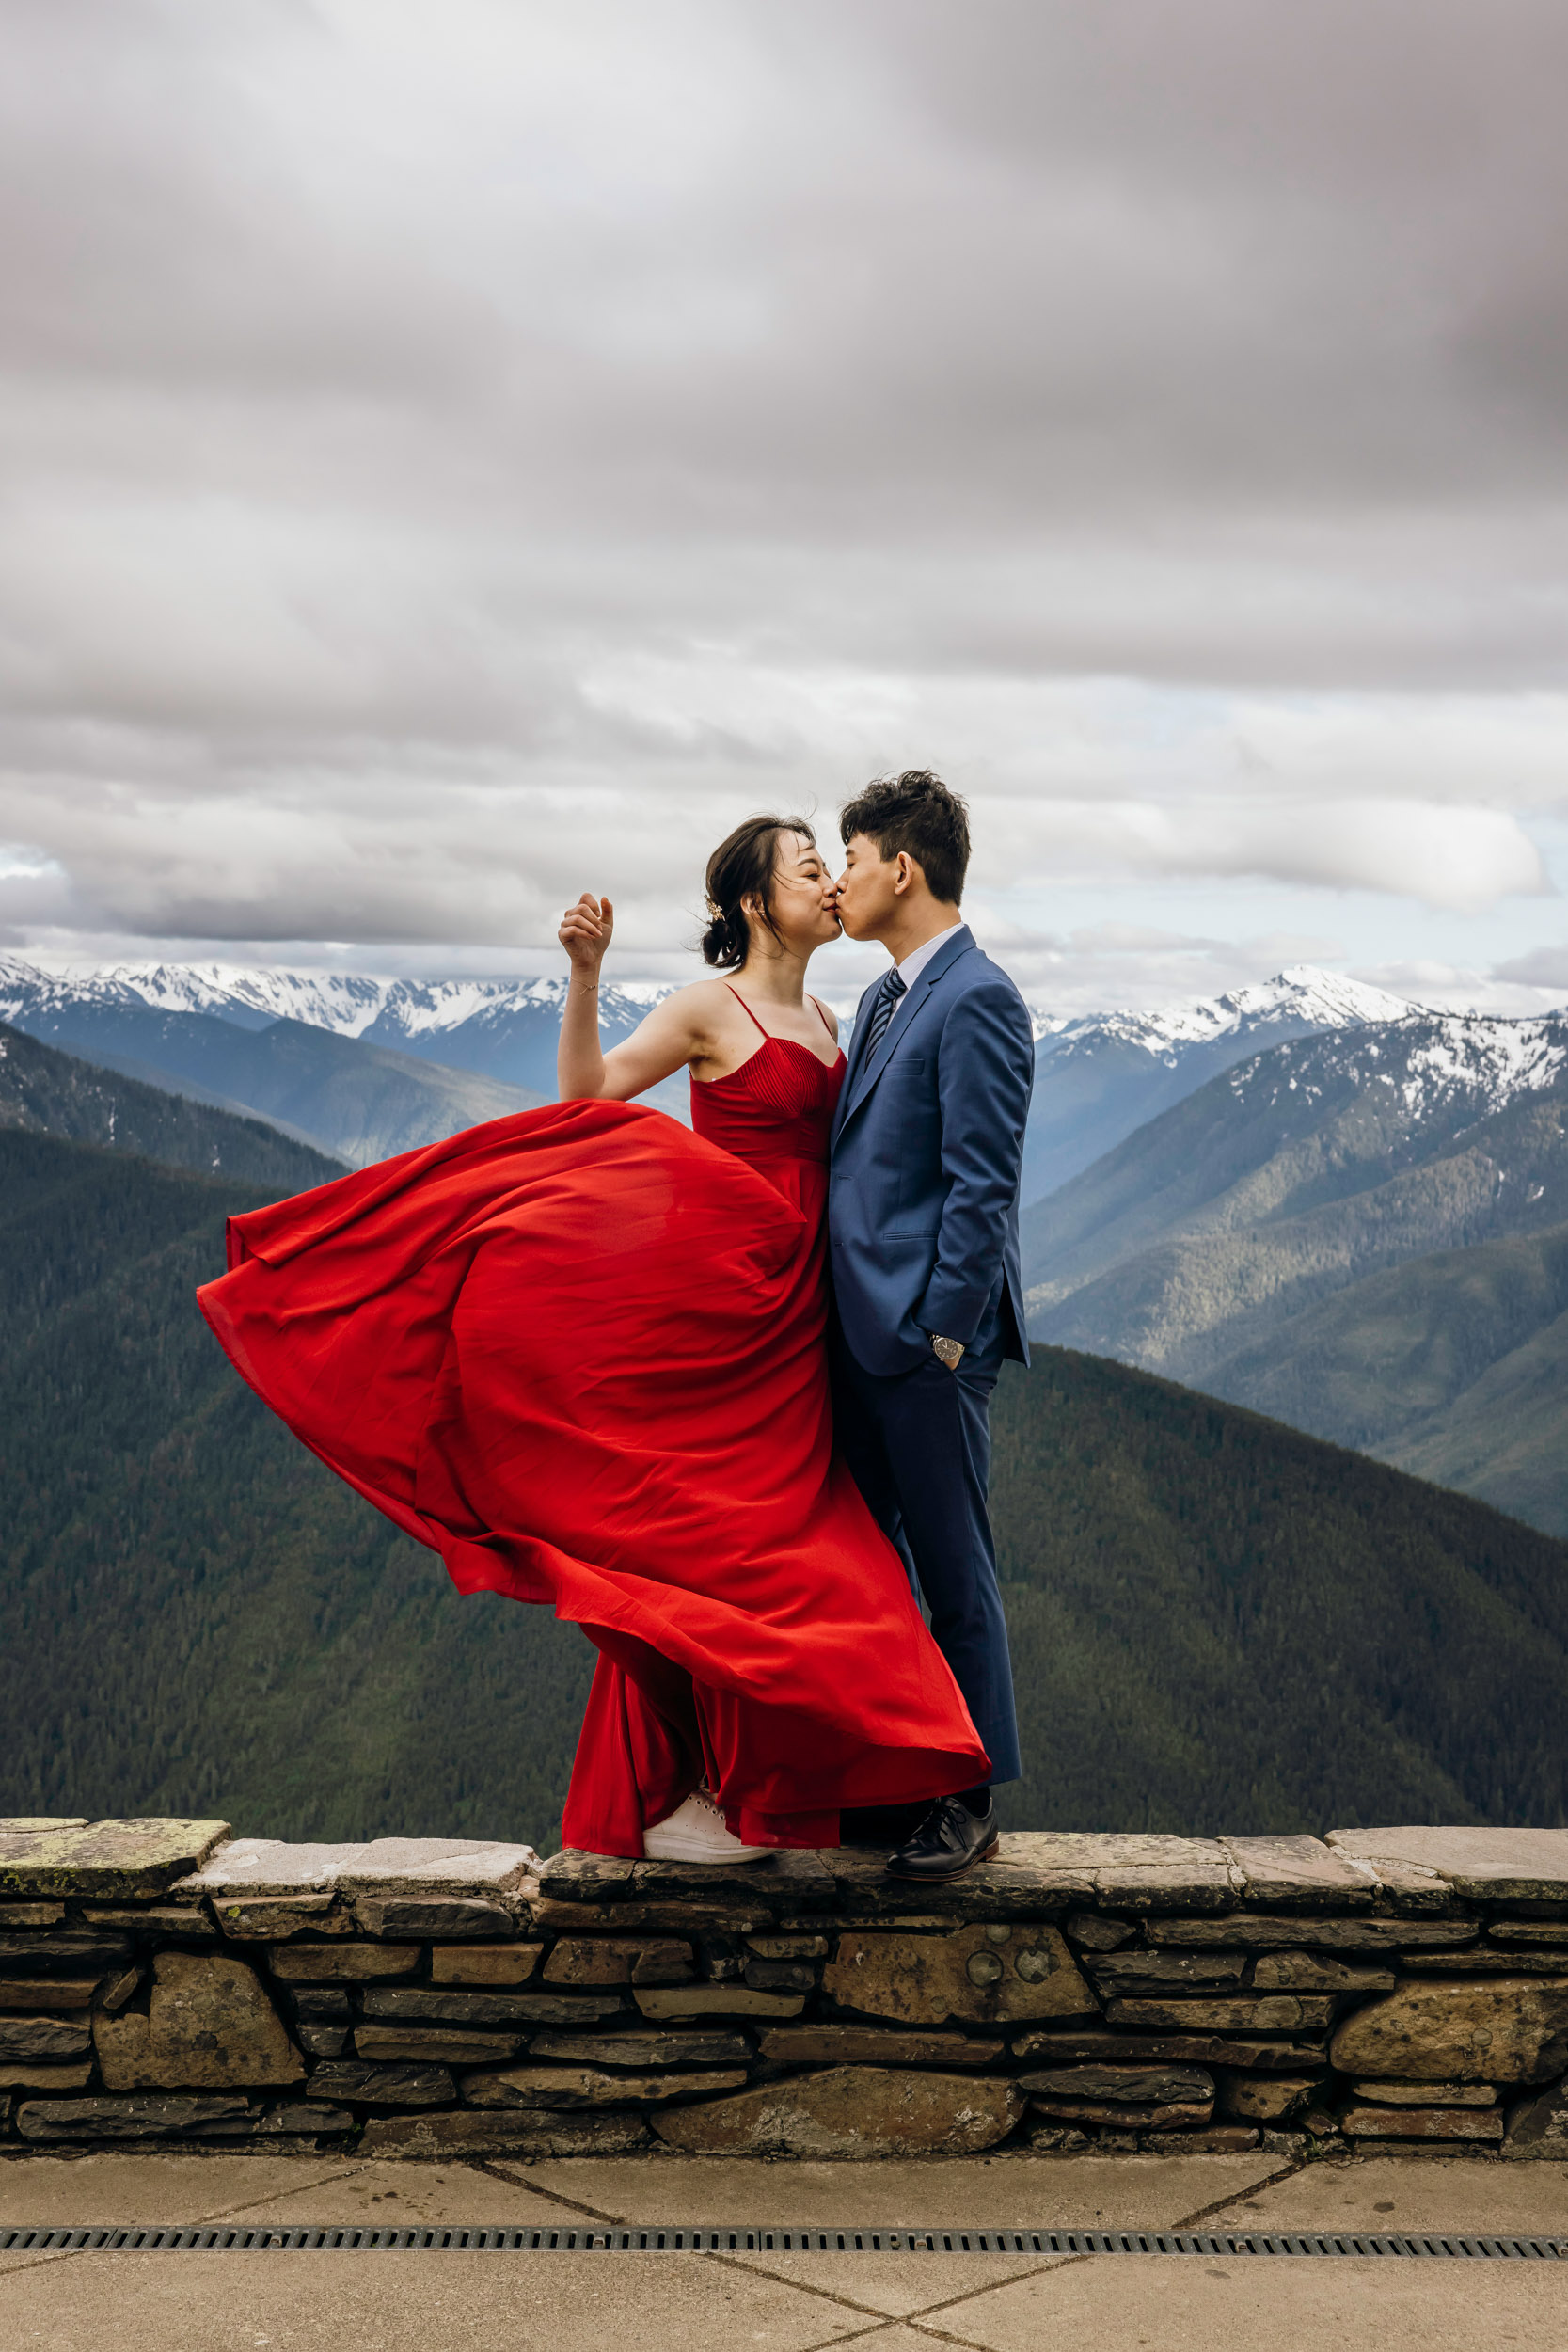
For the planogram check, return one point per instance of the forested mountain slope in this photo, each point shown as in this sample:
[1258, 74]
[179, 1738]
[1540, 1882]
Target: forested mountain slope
[1307, 1164]
[56, 1094]
[355, 1101]
[198, 1616]
[1264, 1240]
[1216, 1621]
[1454, 1366]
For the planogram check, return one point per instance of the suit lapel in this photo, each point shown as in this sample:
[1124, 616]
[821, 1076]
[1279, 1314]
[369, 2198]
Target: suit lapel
[860, 1077]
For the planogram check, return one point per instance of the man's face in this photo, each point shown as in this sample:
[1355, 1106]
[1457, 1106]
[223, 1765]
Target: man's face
[870, 895]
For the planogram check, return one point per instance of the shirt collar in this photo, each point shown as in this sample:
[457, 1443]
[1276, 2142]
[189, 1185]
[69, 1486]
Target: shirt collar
[912, 965]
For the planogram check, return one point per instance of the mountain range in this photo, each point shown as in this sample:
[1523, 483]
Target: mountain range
[1096, 1078]
[1360, 1233]
[1102, 1076]
[1216, 1621]
[362, 1068]
[1351, 1229]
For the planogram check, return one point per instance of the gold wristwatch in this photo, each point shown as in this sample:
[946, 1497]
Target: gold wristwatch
[949, 1351]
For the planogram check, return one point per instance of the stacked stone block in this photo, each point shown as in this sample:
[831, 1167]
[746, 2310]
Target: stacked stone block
[162, 1981]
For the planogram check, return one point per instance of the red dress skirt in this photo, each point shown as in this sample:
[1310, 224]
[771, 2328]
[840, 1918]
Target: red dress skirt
[582, 1354]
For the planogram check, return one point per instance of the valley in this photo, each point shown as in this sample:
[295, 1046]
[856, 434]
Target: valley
[1215, 1618]
[1357, 1232]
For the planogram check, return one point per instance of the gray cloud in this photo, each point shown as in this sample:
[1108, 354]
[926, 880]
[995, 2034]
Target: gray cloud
[1544, 967]
[454, 449]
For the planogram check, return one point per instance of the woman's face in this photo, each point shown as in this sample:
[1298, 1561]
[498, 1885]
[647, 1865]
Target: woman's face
[805, 913]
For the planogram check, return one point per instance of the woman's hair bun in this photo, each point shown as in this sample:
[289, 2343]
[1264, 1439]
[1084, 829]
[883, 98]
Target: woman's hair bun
[726, 939]
[742, 867]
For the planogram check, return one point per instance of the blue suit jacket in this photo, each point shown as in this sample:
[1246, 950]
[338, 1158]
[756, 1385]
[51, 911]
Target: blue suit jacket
[928, 1146]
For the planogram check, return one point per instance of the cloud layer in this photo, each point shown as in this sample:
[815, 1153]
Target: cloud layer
[461, 453]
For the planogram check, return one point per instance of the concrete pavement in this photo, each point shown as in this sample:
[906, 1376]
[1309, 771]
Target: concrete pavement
[394, 2302]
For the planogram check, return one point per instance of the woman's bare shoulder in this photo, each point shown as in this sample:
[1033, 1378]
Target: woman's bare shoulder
[701, 998]
[698, 1008]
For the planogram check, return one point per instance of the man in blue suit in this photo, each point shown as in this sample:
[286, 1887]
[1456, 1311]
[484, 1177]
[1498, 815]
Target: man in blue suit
[923, 1224]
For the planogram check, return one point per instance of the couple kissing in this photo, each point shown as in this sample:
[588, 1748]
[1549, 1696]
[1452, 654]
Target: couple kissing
[719, 1396]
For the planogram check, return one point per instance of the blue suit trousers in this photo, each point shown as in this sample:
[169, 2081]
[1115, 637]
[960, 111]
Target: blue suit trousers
[918, 1445]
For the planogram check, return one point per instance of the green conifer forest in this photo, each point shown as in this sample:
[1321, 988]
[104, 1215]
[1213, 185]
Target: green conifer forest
[1218, 1622]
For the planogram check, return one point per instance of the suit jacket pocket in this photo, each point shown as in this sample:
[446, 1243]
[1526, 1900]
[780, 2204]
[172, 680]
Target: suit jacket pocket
[911, 1125]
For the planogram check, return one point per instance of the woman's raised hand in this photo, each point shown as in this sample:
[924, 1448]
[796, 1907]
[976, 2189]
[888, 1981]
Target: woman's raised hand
[585, 932]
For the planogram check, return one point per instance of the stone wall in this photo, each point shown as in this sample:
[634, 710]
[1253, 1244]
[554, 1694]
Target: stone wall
[162, 1981]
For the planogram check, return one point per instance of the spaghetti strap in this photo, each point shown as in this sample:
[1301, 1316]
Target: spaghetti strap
[750, 1014]
[829, 1022]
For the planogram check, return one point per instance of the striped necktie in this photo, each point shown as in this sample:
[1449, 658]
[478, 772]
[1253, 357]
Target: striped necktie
[883, 1009]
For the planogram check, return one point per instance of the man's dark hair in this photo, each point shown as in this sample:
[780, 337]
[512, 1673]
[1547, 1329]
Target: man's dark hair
[915, 813]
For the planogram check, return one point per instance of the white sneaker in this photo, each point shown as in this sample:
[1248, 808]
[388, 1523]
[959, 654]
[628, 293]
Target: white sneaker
[695, 1831]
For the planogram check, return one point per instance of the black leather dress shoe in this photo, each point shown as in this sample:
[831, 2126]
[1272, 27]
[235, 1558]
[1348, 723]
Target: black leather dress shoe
[950, 1840]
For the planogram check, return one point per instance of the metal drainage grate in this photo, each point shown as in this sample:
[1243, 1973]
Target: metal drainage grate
[594, 2238]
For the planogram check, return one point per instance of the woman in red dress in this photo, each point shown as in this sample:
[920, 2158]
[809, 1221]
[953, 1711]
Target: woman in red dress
[581, 1353]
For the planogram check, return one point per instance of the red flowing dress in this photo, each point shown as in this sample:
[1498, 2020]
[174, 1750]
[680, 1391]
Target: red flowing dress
[582, 1354]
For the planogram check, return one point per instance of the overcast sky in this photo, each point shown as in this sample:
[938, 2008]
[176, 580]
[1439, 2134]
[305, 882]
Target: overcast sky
[460, 454]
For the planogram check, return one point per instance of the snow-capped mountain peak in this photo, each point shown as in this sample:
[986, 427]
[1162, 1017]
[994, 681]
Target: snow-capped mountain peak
[1470, 1063]
[350, 1004]
[253, 996]
[1301, 998]
[1491, 1062]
